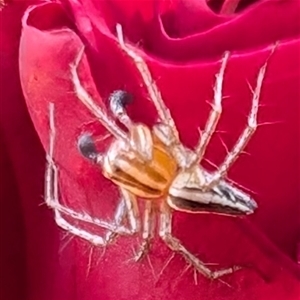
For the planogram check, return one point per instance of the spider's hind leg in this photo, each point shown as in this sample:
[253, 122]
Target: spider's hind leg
[246, 134]
[148, 231]
[65, 215]
[175, 245]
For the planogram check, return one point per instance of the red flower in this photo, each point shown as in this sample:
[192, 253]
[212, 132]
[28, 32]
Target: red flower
[183, 42]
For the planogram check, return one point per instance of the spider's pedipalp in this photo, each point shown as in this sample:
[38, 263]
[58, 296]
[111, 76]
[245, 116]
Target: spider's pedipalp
[118, 100]
[215, 113]
[90, 104]
[87, 148]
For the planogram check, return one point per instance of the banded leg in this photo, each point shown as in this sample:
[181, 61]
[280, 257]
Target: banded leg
[52, 201]
[246, 134]
[90, 104]
[148, 231]
[130, 209]
[175, 244]
[52, 196]
[154, 93]
[215, 113]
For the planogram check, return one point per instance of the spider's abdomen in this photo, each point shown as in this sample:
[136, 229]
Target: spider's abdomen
[145, 177]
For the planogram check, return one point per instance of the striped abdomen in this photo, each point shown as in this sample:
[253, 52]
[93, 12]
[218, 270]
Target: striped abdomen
[146, 178]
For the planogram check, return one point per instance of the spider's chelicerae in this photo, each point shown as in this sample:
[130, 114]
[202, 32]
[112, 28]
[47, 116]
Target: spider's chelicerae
[152, 164]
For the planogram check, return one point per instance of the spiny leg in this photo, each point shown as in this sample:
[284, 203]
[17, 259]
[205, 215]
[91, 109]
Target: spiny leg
[154, 93]
[127, 206]
[246, 134]
[148, 231]
[215, 113]
[52, 196]
[90, 104]
[51, 193]
[175, 244]
[51, 189]
[132, 210]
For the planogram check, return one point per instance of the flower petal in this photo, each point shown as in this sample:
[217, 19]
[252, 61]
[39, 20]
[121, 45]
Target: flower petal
[45, 77]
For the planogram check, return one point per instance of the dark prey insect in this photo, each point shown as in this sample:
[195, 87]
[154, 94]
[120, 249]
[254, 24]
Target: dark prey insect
[152, 165]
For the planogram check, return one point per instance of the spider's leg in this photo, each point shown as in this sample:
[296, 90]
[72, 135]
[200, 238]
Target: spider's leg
[215, 113]
[52, 200]
[148, 231]
[129, 207]
[132, 210]
[175, 245]
[246, 134]
[154, 93]
[59, 211]
[90, 104]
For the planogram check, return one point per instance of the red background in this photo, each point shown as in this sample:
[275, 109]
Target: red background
[38, 260]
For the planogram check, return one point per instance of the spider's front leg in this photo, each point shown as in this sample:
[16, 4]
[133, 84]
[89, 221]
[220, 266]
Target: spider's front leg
[148, 231]
[90, 104]
[165, 130]
[52, 200]
[153, 91]
[165, 232]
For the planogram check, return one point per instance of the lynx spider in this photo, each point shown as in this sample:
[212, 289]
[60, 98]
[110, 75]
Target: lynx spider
[192, 189]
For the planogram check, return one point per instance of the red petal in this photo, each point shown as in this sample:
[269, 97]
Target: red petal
[29, 236]
[171, 29]
[242, 32]
[45, 77]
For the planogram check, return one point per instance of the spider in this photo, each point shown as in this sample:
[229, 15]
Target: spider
[152, 165]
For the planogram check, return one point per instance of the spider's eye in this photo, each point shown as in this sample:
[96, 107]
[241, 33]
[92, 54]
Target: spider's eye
[118, 100]
[87, 146]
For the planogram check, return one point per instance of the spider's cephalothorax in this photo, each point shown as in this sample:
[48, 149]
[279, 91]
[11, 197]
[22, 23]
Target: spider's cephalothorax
[152, 164]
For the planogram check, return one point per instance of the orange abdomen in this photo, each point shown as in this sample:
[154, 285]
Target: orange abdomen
[147, 179]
